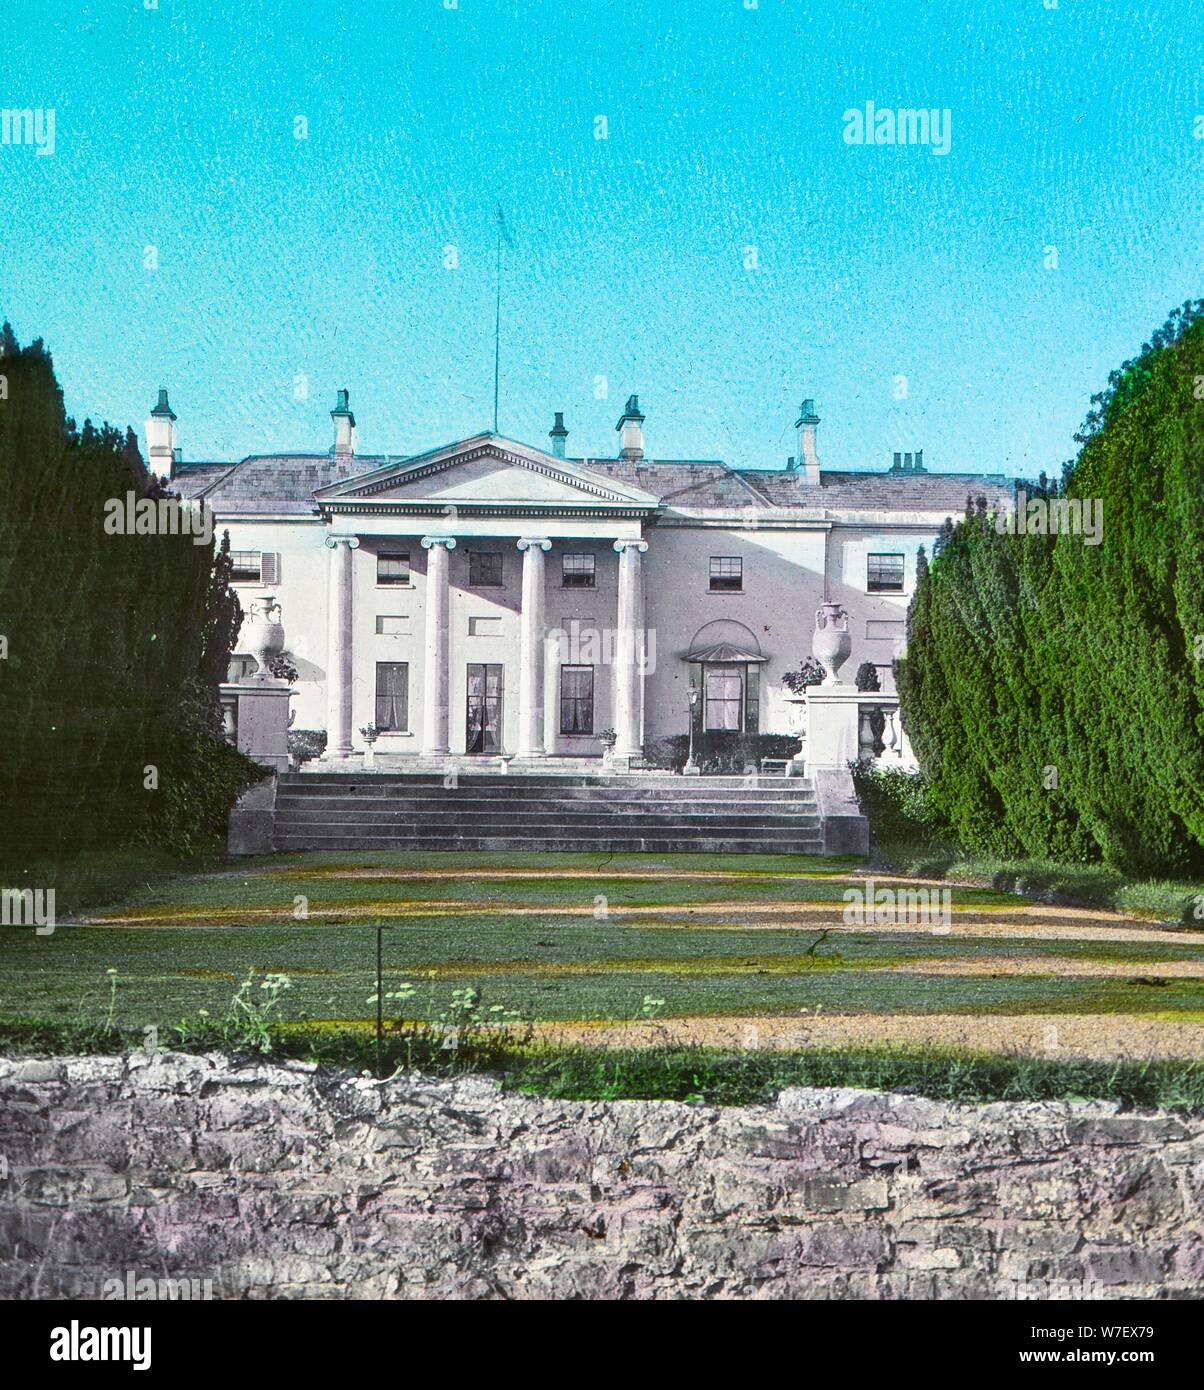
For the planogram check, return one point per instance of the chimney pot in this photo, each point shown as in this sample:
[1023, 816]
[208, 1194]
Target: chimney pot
[558, 434]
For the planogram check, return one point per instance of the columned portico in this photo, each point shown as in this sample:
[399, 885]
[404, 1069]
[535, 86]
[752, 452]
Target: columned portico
[438, 609]
[339, 666]
[629, 658]
[531, 678]
[461, 656]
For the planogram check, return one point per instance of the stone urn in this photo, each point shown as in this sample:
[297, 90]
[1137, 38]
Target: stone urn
[369, 733]
[264, 635]
[831, 643]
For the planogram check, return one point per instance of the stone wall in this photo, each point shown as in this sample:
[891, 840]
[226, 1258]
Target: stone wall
[279, 1181]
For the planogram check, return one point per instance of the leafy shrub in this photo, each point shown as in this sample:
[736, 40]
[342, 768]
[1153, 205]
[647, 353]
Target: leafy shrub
[898, 805]
[304, 744]
[199, 781]
[284, 667]
[809, 673]
[722, 753]
[867, 677]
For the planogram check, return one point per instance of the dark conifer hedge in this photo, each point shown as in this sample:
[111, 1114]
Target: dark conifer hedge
[113, 644]
[1053, 690]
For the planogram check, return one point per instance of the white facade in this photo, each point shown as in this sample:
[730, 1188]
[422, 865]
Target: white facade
[441, 598]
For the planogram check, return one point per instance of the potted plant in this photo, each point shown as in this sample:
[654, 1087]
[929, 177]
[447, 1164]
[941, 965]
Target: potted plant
[369, 733]
[608, 738]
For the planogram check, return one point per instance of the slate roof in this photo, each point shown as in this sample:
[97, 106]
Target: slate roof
[918, 492]
[285, 484]
[710, 483]
[267, 483]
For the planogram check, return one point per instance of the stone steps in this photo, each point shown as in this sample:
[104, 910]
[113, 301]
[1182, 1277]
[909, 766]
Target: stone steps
[491, 823]
[552, 804]
[514, 843]
[564, 783]
[510, 792]
[659, 814]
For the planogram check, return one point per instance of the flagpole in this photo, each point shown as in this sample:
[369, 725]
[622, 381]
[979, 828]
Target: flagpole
[497, 328]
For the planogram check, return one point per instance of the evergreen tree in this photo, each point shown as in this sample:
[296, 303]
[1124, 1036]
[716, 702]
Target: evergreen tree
[115, 642]
[1053, 690]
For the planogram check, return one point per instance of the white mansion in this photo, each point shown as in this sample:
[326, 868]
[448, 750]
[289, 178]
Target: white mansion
[488, 597]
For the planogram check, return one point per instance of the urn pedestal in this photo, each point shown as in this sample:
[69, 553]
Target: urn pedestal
[833, 736]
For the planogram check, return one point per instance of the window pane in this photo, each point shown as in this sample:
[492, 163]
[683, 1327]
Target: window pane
[393, 568]
[727, 572]
[884, 573]
[245, 566]
[578, 572]
[576, 699]
[393, 696]
[724, 691]
[485, 568]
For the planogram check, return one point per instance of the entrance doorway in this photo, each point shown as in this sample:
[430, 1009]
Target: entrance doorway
[484, 721]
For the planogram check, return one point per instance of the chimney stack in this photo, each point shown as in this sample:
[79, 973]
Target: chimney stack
[558, 434]
[161, 438]
[909, 463]
[344, 432]
[808, 458]
[631, 430]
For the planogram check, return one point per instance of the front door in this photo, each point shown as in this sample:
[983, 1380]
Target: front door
[484, 731]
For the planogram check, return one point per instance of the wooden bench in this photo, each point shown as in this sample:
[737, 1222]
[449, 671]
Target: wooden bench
[775, 767]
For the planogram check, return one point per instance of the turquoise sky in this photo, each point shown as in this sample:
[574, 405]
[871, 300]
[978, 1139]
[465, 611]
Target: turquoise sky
[324, 257]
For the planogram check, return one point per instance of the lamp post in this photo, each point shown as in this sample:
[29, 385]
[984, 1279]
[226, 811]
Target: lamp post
[691, 768]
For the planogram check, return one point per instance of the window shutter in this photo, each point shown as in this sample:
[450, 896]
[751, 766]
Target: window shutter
[752, 700]
[270, 567]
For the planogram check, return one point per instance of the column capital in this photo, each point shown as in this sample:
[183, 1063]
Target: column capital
[542, 542]
[429, 541]
[333, 542]
[638, 546]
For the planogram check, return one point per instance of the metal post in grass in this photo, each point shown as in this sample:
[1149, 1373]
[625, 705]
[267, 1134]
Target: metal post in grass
[380, 1006]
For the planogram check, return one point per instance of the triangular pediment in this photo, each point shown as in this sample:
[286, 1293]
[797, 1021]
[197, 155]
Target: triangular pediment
[486, 472]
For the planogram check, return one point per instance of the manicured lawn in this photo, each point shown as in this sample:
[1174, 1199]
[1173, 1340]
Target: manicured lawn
[582, 937]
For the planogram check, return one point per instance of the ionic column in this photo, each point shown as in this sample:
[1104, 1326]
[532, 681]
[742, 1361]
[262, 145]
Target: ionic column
[629, 671]
[530, 650]
[339, 663]
[435, 681]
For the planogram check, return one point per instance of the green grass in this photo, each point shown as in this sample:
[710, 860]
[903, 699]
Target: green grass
[554, 968]
[704, 1075]
[93, 877]
[719, 1078]
[552, 948]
